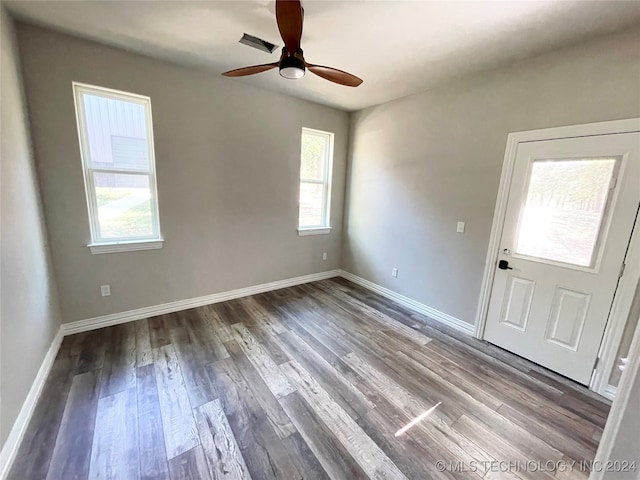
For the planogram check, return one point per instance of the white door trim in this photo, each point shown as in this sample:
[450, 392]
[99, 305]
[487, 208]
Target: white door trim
[618, 317]
[626, 288]
[619, 408]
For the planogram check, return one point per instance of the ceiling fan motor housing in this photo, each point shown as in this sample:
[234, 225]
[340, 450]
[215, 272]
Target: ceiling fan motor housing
[292, 65]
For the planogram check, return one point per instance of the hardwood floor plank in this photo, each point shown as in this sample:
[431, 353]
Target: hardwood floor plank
[338, 297]
[332, 455]
[263, 363]
[368, 455]
[90, 349]
[559, 439]
[534, 447]
[264, 453]
[114, 453]
[573, 471]
[435, 425]
[496, 447]
[221, 328]
[352, 400]
[259, 316]
[303, 457]
[293, 314]
[330, 357]
[34, 454]
[159, 328]
[153, 454]
[453, 375]
[228, 313]
[499, 381]
[119, 370]
[194, 356]
[408, 375]
[218, 443]
[497, 475]
[265, 398]
[479, 351]
[415, 452]
[203, 336]
[76, 429]
[144, 355]
[270, 344]
[190, 465]
[593, 411]
[178, 424]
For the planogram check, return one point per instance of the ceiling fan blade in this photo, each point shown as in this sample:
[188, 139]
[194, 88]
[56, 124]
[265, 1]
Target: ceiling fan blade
[242, 72]
[335, 75]
[289, 16]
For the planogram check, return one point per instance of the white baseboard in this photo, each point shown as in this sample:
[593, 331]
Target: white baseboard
[430, 312]
[10, 448]
[140, 313]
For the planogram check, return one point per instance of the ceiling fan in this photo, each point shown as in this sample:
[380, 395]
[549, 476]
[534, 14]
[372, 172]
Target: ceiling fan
[292, 65]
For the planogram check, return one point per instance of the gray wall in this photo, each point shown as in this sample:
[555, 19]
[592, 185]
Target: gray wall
[420, 164]
[30, 315]
[227, 159]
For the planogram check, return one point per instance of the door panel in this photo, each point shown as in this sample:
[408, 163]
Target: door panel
[569, 217]
[567, 318]
[518, 302]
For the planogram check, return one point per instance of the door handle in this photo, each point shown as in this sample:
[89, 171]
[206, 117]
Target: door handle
[504, 265]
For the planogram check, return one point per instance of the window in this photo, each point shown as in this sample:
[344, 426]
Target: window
[564, 213]
[116, 143]
[316, 157]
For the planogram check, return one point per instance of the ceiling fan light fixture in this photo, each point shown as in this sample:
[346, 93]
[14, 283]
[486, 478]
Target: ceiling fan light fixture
[290, 17]
[292, 68]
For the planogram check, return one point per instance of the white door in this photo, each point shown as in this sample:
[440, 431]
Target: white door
[570, 213]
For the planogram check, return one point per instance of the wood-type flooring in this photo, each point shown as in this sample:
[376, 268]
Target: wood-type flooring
[312, 382]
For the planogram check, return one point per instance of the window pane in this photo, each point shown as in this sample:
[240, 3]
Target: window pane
[313, 156]
[563, 213]
[116, 133]
[311, 204]
[124, 205]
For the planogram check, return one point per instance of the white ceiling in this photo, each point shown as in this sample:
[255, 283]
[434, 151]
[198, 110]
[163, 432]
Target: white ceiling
[397, 47]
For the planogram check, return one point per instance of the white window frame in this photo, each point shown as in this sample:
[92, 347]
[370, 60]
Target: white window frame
[124, 244]
[325, 227]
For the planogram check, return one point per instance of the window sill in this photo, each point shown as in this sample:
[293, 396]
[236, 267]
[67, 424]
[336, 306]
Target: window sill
[314, 231]
[114, 247]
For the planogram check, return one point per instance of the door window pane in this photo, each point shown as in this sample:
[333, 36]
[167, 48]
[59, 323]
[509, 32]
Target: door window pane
[564, 209]
[124, 205]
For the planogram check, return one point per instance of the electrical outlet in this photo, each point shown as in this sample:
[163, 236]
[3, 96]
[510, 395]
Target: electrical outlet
[105, 290]
[324, 256]
[394, 272]
[460, 227]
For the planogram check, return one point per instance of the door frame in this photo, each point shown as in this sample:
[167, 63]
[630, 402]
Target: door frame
[628, 282]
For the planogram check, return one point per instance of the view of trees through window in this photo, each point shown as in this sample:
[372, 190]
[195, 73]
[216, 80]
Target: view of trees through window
[314, 162]
[563, 213]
